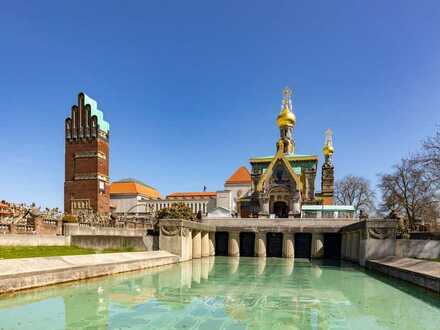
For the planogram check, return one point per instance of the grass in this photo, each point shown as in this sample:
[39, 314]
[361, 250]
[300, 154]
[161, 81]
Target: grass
[12, 252]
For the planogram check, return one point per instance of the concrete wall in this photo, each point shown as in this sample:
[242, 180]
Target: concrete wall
[142, 243]
[423, 249]
[33, 240]
[75, 229]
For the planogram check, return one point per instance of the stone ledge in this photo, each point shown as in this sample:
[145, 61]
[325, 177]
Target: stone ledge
[26, 273]
[187, 224]
[420, 272]
[296, 225]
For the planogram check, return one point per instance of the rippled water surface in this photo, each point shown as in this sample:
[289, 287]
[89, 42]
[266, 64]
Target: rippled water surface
[228, 293]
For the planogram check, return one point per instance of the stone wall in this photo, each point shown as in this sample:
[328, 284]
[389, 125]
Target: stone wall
[100, 242]
[82, 229]
[369, 239]
[422, 249]
[33, 240]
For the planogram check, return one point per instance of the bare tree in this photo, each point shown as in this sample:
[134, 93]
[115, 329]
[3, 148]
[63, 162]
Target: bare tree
[410, 193]
[356, 191]
[429, 158]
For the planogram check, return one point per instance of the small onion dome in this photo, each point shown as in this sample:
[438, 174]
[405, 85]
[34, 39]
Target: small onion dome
[328, 150]
[286, 118]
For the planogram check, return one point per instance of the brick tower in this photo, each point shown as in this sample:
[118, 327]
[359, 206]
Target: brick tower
[86, 185]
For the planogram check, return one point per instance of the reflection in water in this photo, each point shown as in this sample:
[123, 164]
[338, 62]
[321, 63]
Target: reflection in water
[223, 293]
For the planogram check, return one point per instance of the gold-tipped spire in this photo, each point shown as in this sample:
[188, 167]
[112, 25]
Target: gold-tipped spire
[328, 145]
[286, 116]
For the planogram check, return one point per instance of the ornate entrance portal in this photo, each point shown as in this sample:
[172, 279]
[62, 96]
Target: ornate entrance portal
[280, 209]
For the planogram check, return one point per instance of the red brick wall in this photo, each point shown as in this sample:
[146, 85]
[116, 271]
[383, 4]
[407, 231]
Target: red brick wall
[75, 186]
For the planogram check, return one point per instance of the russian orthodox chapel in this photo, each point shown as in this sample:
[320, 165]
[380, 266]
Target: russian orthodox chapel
[283, 183]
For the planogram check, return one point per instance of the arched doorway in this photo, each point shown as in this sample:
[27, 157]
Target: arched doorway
[280, 209]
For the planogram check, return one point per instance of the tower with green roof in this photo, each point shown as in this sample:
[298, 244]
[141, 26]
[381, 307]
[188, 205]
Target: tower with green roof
[86, 185]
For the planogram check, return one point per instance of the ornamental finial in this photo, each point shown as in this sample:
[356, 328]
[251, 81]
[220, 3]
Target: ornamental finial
[328, 145]
[287, 94]
[286, 116]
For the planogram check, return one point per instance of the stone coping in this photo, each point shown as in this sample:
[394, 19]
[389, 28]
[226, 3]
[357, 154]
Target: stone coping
[423, 273]
[202, 226]
[371, 223]
[277, 225]
[19, 274]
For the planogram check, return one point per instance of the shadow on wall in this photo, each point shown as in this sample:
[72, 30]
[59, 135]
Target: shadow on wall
[140, 243]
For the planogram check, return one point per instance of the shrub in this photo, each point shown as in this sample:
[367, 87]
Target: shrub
[176, 211]
[70, 218]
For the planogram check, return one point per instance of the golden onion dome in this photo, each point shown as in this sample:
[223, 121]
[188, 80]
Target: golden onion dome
[328, 150]
[286, 118]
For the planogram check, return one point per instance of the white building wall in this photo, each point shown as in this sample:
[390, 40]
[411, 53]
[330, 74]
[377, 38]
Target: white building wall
[125, 203]
[237, 191]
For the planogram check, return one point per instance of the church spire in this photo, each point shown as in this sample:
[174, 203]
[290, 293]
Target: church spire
[286, 121]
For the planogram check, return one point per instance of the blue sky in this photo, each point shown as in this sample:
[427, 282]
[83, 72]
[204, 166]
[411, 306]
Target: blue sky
[192, 88]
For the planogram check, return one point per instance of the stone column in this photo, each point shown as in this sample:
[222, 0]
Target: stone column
[260, 244]
[355, 246]
[234, 244]
[196, 244]
[288, 245]
[205, 244]
[343, 245]
[212, 243]
[348, 248]
[317, 245]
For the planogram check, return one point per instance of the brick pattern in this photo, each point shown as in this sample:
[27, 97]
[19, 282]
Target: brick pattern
[86, 163]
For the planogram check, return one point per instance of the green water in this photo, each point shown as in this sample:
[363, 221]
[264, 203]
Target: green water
[227, 293]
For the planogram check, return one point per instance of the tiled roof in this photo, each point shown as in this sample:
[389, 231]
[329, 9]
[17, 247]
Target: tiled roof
[192, 195]
[240, 176]
[133, 187]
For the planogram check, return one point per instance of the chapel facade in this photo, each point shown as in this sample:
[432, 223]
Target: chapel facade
[284, 182]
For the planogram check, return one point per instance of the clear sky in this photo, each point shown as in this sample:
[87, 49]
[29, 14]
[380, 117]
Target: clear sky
[192, 88]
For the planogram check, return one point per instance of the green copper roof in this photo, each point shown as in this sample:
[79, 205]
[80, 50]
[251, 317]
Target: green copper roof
[289, 157]
[103, 125]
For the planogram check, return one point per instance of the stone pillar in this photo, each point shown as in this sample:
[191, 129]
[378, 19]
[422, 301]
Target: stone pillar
[234, 244]
[260, 244]
[212, 243]
[343, 245]
[205, 244]
[196, 244]
[288, 245]
[355, 246]
[317, 245]
[348, 249]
